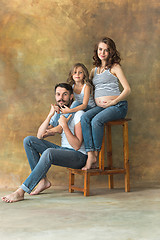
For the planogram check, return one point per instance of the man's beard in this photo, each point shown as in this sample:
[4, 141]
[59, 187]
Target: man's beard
[68, 105]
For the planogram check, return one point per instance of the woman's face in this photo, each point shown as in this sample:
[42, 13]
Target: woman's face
[102, 51]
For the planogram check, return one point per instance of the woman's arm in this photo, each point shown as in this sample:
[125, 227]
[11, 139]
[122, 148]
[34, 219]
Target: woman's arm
[118, 72]
[74, 140]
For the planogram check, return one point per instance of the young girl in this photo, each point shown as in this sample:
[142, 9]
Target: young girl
[111, 103]
[82, 89]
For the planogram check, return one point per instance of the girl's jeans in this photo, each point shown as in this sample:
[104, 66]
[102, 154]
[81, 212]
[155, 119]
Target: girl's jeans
[50, 154]
[92, 123]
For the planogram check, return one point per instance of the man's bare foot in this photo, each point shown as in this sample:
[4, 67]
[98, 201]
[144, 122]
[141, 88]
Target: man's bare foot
[43, 185]
[16, 196]
[91, 160]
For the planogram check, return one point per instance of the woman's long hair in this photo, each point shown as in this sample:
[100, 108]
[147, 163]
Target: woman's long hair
[113, 57]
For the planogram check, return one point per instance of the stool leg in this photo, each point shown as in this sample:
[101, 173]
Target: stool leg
[109, 155]
[71, 181]
[86, 183]
[126, 156]
[102, 152]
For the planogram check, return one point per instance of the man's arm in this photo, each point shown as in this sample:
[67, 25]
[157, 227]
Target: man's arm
[74, 140]
[45, 129]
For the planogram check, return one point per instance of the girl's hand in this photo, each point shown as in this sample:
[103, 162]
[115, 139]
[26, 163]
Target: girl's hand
[108, 103]
[64, 121]
[65, 109]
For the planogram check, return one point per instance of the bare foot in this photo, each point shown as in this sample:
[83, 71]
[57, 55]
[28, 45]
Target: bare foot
[91, 160]
[16, 196]
[94, 165]
[43, 184]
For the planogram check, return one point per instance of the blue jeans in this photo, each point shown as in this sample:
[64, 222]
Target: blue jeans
[42, 154]
[92, 123]
[56, 116]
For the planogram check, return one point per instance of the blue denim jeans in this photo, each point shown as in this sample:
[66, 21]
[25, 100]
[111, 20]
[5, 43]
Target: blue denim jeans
[42, 154]
[92, 123]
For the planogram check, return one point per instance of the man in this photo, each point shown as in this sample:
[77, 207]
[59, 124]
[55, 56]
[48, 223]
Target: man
[71, 153]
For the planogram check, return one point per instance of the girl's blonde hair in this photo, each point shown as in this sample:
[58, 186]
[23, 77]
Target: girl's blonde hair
[86, 75]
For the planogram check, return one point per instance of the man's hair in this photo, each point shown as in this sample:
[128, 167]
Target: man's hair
[66, 86]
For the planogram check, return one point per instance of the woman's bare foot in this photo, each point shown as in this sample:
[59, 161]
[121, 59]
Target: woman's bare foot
[91, 160]
[43, 184]
[94, 165]
[16, 196]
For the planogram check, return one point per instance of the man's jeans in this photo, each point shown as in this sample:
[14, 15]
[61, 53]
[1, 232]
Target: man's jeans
[92, 123]
[42, 154]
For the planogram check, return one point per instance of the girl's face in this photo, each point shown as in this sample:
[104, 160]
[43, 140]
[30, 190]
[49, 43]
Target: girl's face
[78, 74]
[102, 51]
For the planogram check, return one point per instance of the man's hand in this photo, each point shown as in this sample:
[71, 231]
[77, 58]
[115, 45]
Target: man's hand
[54, 108]
[49, 132]
[64, 121]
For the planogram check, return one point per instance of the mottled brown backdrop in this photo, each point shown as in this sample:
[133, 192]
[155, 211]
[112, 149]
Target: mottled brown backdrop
[39, 42]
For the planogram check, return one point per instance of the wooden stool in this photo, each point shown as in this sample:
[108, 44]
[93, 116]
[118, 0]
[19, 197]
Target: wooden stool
[102, 170]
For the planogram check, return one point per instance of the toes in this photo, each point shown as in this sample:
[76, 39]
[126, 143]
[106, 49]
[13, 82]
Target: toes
[84, 168]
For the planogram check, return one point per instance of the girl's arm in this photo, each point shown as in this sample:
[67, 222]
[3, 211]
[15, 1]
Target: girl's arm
[80, 107]
[74, 140]
[117, 70]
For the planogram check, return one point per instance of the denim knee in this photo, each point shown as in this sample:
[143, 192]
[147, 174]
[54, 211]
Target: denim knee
[96, 122]
[47, 156]
[84, 118]
[26, 140]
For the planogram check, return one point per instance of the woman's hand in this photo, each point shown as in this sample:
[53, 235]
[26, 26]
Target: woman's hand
[105, 104]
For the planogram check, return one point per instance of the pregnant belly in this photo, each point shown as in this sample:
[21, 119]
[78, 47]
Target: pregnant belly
[99, 101]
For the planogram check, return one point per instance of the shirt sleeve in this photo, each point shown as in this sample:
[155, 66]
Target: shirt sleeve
[77, 116]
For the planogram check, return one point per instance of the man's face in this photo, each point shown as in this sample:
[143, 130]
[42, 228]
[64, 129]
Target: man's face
[63, 97]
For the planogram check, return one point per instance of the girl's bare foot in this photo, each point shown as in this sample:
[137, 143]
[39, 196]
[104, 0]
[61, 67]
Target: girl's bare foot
[43, 184]
[16, 196]
[91, 160]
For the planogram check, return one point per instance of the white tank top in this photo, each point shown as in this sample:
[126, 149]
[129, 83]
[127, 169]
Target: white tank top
[79, 97]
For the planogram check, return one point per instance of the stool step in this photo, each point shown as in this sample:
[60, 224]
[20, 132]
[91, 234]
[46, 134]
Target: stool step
[94, 172]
